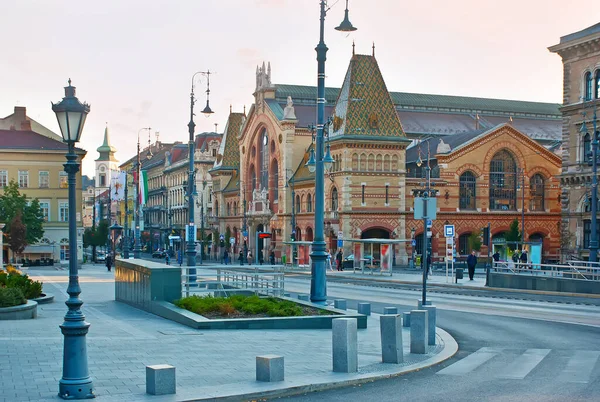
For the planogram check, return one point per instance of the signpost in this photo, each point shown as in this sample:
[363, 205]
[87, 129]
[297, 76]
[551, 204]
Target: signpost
[449, 234]
[260, 235]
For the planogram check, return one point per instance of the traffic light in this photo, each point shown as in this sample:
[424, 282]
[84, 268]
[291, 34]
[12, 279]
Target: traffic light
[486, 235]
[293, 236]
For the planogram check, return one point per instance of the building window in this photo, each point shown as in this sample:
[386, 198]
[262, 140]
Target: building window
[363, 194]
[597, 84]
[309, 203]
[63, 211]
[334, 199]
[419, 245]
[587, 233]
[102, 180]
[214, 152]
[264, 160]
[588, 84]
[536, 188]
[63, 180]
[503, 183]
[44, 179]
[275, 178]
[463, 244]
[587, 148]
[3, 178]
[297, 204]
[467, 190]
[64, 252]
[45, 207]
[23, 178]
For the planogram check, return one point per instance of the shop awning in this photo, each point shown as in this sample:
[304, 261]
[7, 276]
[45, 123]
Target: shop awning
[38, 249]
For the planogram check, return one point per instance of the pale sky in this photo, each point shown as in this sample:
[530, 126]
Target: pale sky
[132, 60]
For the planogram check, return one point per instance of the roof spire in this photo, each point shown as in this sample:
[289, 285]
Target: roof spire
[244, 110]
[352, 47]
[230, 108]
[373, 48]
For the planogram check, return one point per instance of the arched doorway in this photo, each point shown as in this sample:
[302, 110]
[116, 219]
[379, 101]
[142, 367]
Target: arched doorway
[261, 244]
[374, 250]
[306, 249]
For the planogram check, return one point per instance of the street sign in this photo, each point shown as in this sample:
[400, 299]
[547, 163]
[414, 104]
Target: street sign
[232, 240]
[340, 235]
[222, 237]
[414, 243]
[264, 235]
[449, 230]
[245, 238]
[340, 243]
[245, 233]
[429, 233]
[429, 223]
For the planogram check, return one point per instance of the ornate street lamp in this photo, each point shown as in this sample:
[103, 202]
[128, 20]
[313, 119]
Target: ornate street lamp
[191, 229]
[137, 246]
[318, 283]
[75, 382]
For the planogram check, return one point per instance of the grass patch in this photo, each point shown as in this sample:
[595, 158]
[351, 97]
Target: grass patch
[240, 306]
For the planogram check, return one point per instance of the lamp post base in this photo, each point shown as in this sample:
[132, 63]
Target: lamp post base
[75, 382]
[76, 389]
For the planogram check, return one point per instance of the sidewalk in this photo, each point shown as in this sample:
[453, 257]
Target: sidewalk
[210, 364]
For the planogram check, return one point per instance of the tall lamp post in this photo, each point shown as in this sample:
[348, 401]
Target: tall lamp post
[413, 247]
[191, 246]
[75, 382]
[201, 206]
[594, 207]
[293, 220]
[137, 246]
[318, 282]
[126, 231]
[522, 172]
[245, 228]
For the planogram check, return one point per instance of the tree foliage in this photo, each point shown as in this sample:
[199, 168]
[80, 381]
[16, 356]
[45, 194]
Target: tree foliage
[513, 236]
[474, 242]
[18, 234]
[12, 202]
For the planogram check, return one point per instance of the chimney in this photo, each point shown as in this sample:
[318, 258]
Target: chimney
[21, 122]
[477, 121]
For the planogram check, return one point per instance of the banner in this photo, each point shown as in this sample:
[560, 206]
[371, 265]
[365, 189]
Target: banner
[118, 186]
[143, 188]
[385, 258]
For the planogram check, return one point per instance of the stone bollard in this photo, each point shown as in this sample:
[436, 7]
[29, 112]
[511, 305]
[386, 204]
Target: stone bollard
[418, 331]
[303, 297]
[420, 304]
[364, 308]
[160, 379]
[406, 319]
[340, 303]
[390, 310]
[345, 348]
[431, 323]
[286, 295]
[391, 339]
[269, 368]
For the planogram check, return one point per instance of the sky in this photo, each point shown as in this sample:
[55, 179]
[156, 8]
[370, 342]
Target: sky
[133, 60]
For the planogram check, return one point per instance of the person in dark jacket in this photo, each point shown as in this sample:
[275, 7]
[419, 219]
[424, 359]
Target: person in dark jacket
[471, 263]
[338, 259]
[272, 257]
[523, 259]
[108, 262]
[241, 257]
[496, 256]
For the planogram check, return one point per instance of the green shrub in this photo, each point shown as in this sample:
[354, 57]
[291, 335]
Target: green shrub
[14, 280]
[11, 297]
[253, 305]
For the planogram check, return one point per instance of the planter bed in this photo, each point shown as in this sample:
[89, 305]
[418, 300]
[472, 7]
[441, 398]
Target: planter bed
[44, 298]
[20, 312]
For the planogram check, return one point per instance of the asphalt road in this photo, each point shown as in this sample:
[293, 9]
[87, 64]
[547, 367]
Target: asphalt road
[509, 350]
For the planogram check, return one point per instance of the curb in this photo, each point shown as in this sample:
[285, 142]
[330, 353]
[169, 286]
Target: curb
[450, 349]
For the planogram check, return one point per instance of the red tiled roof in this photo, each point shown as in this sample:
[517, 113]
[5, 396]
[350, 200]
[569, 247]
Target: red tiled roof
[13, 139]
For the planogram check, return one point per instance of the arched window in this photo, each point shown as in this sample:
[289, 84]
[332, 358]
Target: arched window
[309, 203]
[228, 209]
[503, 183]
[467, 190]
[536, 188]
[463, 244]
[588, 84]
[419, 245]
[275, 180]
[263, 160]
[587, 148]
[216, 208]
[334, 199]
[597, 86]
[297, 204]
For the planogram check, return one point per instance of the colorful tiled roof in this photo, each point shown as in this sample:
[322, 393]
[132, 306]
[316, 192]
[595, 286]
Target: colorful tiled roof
[229, 152]
[364, 106]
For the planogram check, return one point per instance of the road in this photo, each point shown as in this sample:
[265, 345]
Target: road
[509, 349]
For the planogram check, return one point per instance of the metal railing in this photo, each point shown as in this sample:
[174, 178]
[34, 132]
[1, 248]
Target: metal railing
[582, 270]
[223, 282]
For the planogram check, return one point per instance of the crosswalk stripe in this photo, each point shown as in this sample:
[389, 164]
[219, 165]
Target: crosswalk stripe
[469, 363]
[523, 364]
[580, 366]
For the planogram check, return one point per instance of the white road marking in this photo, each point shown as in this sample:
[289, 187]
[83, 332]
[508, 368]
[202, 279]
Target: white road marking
[580, 366]
[523, 364]
[470, 362]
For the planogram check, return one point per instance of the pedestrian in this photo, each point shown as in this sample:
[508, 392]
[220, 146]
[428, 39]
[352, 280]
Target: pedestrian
[523, 259]
[471, 263]
[241, 257]
[496, 256]
[338, 259]
[272, 257]
[515, 256]
[179, 257]
[108, 262]
[261, 256]
[225, 256]
[329, 258]
[167, 258]
[249, 258]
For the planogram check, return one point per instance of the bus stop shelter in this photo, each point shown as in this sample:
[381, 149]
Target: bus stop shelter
[374, 254]
[297, 254]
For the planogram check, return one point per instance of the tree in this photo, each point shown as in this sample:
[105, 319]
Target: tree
[32, 217]
[474, 241]
[18, 234]
[513, 236]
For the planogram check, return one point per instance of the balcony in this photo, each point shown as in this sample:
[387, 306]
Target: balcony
[212, 219]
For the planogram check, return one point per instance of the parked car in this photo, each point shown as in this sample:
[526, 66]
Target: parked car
[349, 261]
[159, 254]
[100, 256]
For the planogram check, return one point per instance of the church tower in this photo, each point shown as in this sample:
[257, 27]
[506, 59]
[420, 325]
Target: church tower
[106, 164]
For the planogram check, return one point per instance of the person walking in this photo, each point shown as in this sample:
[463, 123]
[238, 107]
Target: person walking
[471, 263]
[272, 257]
[329, 258]
[523, 259]
[241, 257]
[225, 256]
[108, 262]
[338, 259]
[249, 257]
[496, 256]
[167, 258]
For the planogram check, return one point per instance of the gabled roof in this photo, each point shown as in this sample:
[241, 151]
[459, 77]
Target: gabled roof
[29, 140]
[233, 186]
[179, 152]
[364, 106]
[229, 151]
[202, 140]
[302, 173]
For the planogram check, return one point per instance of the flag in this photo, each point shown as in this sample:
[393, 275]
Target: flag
[118, 186]
[143, 188]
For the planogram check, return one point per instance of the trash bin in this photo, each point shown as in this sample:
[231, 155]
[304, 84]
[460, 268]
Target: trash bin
[459, 274]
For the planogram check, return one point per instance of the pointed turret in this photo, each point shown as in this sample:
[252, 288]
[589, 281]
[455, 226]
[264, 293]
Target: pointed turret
[106, 150]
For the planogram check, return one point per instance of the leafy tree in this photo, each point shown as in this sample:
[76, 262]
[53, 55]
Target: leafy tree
[474, 242]
[513, 236]
[18, 234]
[32, 217]
[101, 235]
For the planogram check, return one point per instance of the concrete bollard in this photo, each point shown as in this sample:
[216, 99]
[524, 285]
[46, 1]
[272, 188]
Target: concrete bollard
[418, 331]
[286, 295]
[340, 303]
[160, 379]
[391, 339]
[303, 297]
[364, 308]
[420, 304]
[390, 310]
[345, 347]
[431, 322]
[406, 319]
[269, 368]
